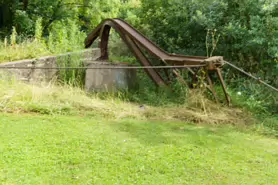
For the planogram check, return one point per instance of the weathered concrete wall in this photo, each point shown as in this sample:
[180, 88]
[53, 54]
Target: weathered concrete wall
[109, 80]
[38, 75]
[98, 80]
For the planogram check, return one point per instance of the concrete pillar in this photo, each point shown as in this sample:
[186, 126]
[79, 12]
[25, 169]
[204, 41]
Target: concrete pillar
[109, 80]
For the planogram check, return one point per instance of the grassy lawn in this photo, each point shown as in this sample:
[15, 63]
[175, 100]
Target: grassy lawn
[86, 150]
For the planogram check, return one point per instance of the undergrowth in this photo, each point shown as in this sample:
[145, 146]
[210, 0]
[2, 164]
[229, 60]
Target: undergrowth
[72, 77]
[260, 101]
[19, 97]
[63, 37]
[147, 102]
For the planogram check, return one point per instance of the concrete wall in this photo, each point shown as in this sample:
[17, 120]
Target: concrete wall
[38, 75]
[98, 80]
[109, 80]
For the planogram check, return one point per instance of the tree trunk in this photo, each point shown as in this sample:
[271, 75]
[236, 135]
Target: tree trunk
[6, 15]
[25, 4]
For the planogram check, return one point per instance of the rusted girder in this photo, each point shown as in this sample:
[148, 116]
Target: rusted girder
[136, 40]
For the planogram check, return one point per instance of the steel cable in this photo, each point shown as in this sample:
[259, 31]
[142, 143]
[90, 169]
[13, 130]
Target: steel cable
[116, 67]
[251, 76]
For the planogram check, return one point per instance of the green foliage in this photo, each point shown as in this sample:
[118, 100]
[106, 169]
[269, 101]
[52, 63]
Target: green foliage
[212, 40]
[148, 93]
[65, 36]
[13, 37]
[38, 31]
[16, 48]
[245, 32]
[24, 24]
[73, 77]
[88, 13]
[248, 30]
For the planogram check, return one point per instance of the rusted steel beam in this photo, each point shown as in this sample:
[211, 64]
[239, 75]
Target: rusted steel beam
[145, 62]
[144, 42]
[212, 87]
[105, 33]
[133, 47]
[135, 41]
[93, 36]
[218, 71]
[149, 46]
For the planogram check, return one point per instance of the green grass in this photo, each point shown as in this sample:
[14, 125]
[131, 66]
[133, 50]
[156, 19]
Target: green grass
[37, 149]
[25, 50]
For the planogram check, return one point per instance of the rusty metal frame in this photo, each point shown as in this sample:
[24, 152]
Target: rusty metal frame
[136, 40]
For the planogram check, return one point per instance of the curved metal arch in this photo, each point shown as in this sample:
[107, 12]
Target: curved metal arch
[134, 39]
[124, 28]
[103, 31]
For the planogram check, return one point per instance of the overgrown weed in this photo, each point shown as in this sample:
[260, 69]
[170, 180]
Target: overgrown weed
[63, 37]
[54, 99]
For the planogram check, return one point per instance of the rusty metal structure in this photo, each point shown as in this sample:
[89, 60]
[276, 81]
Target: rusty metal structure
[139, 44]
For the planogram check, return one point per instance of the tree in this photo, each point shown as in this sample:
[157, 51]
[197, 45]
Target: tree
[6, 13]
[248, 28]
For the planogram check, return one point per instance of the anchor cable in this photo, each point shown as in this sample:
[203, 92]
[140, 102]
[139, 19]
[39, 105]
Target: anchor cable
[251, 76]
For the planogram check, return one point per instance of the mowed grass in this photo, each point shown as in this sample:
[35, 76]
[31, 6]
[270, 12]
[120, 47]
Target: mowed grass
[37, 149]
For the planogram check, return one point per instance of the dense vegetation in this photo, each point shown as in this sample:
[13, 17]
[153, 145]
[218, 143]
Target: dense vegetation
[248, 29]
[56, 133]
[245, 32]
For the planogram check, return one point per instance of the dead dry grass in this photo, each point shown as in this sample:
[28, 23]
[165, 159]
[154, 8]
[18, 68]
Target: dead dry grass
[17, 97]
[202, 110]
